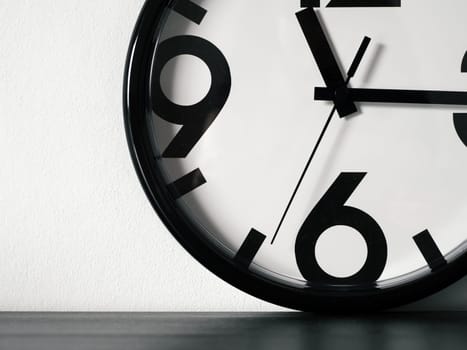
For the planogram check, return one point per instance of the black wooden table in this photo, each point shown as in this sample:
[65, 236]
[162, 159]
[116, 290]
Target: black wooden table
[211, 331]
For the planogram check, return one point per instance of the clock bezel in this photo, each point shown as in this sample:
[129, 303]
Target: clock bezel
[136, 108]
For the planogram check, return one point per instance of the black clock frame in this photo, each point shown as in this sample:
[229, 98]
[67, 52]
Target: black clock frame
[136, 108]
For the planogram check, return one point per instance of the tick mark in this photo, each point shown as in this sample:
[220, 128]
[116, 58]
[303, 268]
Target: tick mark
[430, 250]
[249, 248]
[190, 10]
[187, 183]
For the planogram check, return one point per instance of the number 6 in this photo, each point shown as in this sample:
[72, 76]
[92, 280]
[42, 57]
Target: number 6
[329, 212]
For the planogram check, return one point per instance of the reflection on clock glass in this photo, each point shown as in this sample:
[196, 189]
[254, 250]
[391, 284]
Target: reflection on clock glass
[317, 145]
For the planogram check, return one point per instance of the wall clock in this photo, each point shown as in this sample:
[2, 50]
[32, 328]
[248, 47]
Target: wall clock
[313, 153]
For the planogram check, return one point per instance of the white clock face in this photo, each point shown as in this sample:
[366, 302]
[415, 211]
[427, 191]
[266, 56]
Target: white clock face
[384, 198]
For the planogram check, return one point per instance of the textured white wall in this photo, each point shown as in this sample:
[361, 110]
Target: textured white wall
[76, 231]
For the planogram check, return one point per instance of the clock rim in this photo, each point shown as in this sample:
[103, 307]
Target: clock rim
[135, 106]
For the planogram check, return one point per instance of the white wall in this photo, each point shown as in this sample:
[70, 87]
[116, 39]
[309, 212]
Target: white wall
[76, 231]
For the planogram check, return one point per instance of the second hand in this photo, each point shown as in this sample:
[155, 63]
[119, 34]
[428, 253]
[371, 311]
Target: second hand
[353, 69]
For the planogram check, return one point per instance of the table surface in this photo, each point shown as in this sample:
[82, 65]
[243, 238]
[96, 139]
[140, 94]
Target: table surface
[211, 331]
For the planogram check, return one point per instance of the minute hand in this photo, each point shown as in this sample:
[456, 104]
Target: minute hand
[398, 96]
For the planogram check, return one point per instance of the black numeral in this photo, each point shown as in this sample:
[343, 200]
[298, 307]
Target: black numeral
[196, 119]
[329, 212]
[310, 3]
[460, 119]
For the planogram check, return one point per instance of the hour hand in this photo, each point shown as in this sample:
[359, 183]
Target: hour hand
[326, 61]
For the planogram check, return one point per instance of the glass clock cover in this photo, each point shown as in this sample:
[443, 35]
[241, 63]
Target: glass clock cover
[310, 153]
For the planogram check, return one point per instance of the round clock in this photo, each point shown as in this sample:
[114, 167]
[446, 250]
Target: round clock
[313, 153]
